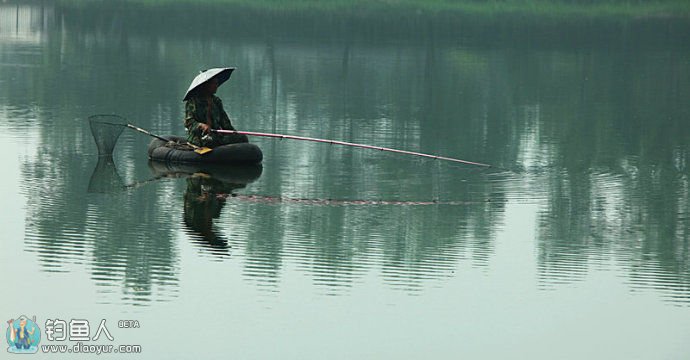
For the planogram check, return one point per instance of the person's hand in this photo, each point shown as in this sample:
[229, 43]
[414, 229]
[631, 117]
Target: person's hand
[205, 128]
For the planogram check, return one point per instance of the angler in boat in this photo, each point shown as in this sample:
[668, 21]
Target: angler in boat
[205, 119]
[204, 111]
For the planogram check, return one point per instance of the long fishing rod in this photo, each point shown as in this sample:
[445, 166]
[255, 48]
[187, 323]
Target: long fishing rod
[294, 137]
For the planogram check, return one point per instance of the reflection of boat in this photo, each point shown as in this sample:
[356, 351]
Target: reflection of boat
[230, 175]
[208, 187]
[240, 153]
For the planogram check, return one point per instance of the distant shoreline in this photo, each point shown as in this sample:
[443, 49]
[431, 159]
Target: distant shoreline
[346, 21]
[555, 9]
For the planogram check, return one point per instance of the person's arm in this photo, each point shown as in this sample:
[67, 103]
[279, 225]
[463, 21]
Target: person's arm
[225, 122]
[191, 123]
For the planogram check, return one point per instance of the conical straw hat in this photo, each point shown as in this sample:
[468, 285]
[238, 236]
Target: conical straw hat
[222, 74]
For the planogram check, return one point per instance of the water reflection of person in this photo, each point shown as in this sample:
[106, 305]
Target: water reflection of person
[203, 201]
[21, 337]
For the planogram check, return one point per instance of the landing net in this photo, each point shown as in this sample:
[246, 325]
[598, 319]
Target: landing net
[106, 129]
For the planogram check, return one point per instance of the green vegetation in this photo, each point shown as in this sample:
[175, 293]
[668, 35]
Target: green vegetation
[539, 8]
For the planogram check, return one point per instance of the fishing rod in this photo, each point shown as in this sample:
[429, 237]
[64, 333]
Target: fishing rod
[197, 149]
[337, 142]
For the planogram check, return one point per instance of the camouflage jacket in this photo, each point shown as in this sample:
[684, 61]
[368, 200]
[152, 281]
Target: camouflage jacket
[207, 111]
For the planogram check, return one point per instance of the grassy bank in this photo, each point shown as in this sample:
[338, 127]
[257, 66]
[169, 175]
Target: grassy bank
[534, 8]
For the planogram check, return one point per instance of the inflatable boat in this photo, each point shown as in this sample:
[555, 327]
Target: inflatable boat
[240, 153]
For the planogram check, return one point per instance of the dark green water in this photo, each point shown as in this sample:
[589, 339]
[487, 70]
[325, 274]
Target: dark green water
[575, 245]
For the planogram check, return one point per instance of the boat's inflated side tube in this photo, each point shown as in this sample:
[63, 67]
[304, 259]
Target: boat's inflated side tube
[240, 153]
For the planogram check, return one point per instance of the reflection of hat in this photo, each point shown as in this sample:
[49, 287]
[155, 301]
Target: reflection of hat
[222, 74]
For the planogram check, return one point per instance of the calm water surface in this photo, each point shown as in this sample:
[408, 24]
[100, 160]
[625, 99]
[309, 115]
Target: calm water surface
[574, 245]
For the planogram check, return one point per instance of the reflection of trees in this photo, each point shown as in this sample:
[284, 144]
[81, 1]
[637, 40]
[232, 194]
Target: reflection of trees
[621, 188]
[124, 235]
[337, 244]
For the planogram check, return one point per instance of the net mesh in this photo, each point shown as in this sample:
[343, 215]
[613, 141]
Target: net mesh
[106, 129]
